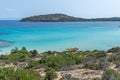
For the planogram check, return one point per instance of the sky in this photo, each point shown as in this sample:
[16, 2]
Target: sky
[17, 9]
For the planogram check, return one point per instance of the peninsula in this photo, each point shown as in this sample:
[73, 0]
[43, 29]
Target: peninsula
[63, 18]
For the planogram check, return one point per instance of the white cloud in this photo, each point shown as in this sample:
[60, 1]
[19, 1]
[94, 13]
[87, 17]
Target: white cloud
[10, 9]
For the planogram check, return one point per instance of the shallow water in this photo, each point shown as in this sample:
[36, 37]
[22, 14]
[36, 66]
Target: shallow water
[45, 36]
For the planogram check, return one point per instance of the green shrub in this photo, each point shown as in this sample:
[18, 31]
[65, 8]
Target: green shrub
[93, 66]
[111, 75]
[97, 54]
[54, 62]
[11, 74]
[50, 74]
[61, 60]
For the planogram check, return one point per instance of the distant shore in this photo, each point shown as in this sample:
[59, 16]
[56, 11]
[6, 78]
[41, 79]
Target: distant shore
[64, 18]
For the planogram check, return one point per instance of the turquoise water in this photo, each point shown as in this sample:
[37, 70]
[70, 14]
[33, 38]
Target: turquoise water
[45, 36]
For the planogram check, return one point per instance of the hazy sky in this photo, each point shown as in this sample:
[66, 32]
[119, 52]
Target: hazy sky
[16, 9]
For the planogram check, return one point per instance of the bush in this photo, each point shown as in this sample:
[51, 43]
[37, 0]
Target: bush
[96, 79]
[50, 74]
[54, 62]
[93, 66]
[34, 53]
[68, 77]
[97, 54]
[111, 75]
[61, 60]
[11, 74]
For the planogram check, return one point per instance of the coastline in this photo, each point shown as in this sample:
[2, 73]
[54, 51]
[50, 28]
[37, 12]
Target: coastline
[7, 50]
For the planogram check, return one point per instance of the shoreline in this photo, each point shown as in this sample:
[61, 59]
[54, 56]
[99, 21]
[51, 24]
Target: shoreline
[7, 50]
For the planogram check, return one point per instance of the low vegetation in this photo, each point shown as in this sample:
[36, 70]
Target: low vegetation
[111, 75]
[22, 64]
[12, 74]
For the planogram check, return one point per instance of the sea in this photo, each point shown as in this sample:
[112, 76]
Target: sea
[58, 36]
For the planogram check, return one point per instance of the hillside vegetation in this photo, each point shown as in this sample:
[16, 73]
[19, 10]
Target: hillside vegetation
[71, 64]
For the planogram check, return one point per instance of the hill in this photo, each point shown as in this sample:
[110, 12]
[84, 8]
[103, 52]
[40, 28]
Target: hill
[63, 18]
[51, 18]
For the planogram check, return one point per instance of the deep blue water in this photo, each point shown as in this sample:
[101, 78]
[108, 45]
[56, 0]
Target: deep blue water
[45, 36]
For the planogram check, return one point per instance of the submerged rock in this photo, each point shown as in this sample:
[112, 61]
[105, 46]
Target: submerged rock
[4, 33]
[4, 43]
